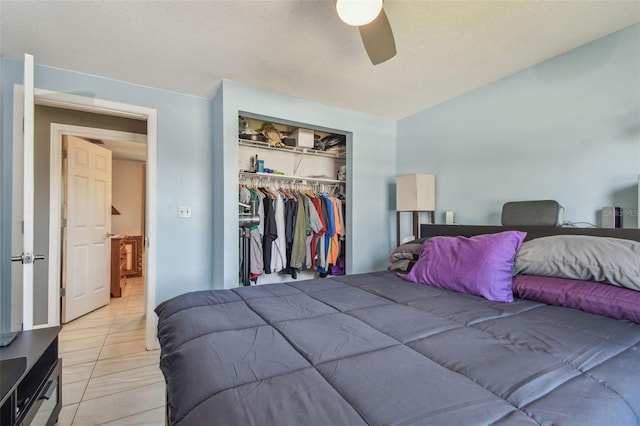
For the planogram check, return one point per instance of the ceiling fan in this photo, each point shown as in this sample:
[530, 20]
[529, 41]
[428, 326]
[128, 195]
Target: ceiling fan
[375, 30]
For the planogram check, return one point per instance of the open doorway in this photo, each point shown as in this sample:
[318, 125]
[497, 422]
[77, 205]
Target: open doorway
[49, 310]
[116, 250]
[126, 234]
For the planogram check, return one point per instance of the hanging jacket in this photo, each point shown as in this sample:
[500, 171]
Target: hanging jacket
[299, 237]
[279, 245]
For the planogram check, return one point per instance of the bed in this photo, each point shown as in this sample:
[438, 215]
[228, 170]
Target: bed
[376, 349]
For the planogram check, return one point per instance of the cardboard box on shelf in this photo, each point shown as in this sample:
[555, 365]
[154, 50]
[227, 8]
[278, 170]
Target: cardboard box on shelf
[303, 137]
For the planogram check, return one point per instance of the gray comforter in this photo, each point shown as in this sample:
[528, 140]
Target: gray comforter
[374, 349]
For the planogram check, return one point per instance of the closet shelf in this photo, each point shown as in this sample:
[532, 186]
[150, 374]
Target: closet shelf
[292, 149]
[301, 179]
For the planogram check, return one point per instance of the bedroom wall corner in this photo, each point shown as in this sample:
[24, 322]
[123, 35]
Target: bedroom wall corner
[566, 129]
[218, 231]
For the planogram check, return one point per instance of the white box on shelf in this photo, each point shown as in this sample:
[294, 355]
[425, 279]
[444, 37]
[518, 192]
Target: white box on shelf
[303, 137]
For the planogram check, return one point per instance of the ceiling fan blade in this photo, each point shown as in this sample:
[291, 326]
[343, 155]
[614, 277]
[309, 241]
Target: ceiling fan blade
[378, 40]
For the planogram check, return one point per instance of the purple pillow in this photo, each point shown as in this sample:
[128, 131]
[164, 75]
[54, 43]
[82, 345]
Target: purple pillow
[589, 296]
[480, 265]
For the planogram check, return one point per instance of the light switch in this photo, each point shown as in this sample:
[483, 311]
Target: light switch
[184, 212]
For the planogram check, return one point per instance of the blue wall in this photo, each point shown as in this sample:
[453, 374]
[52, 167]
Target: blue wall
[370, 202]
[184, 159]
[566, 129]
[197, 165]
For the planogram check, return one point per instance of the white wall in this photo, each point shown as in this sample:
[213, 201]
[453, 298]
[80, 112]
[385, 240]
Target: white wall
[566, 129]
[370, 174]
[127, 195]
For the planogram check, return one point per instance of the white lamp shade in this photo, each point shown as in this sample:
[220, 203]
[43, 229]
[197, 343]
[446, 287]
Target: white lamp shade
[358, 12]
[416, 193]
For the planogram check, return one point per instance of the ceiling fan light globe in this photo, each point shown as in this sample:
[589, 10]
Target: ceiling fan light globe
[358, 12]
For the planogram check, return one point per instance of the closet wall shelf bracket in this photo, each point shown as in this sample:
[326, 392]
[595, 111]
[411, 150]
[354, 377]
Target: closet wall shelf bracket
[300, 179]
[292, 149]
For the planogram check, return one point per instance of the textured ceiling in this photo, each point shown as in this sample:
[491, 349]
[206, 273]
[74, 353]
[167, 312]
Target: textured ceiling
[301, 48]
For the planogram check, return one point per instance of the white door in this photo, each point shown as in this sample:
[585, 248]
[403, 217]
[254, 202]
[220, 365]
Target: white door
[22, 253]
[87, 247]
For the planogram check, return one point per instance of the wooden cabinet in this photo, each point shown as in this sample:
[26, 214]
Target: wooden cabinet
[126, 261]
[133, 259]
[118, 263]
[31, 379]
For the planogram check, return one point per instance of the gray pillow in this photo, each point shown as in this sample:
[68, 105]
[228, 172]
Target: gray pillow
[404, 256]
[404, 265]
[409, 250]
[612, 260]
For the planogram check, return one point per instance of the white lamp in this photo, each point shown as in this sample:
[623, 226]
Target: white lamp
[415, 193]
[358, 12]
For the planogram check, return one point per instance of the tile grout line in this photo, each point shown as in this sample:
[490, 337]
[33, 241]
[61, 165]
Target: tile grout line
[118, 310]
[117, 392]
[126, 304]
[122, 418]
[91, 374]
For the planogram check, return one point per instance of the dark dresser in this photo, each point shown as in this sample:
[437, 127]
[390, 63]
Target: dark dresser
[31, 379]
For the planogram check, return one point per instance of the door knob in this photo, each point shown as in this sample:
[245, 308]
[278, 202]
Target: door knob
[27, 258]
[109, 235]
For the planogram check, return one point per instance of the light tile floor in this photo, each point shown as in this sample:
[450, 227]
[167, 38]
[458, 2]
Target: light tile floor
[108, 377]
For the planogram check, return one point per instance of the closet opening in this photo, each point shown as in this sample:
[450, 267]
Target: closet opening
[292, 200]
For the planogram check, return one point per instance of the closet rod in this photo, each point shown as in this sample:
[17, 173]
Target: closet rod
[300, 179]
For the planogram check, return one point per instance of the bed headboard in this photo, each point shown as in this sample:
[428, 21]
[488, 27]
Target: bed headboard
[427, 231]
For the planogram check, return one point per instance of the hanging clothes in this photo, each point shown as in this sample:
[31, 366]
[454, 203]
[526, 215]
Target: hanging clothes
[270, 232]
[291, 210]
[300, 236]
[334, 249]
[317, 244]
[315, 225]
[256, 259]
[339, 263]
[297, 230]
[331, 230]
[279, 244]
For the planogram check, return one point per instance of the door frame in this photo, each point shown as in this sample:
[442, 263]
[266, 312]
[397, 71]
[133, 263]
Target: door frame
[100, 106]
[17, 201]
[55, 200]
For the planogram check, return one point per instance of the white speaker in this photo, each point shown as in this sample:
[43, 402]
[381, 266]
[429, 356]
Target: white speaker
[449, 218]
[611, 217]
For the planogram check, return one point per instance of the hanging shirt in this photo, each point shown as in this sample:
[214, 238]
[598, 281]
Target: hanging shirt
[279, 245]
[341, 217]
[245, 195]
[290, 207]
[256, 263]
[331, 223]
[270, 232]
[325, 242]
[334, 249]
[317, 243]
[260, 211]
[299, 237]
[312, 217]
